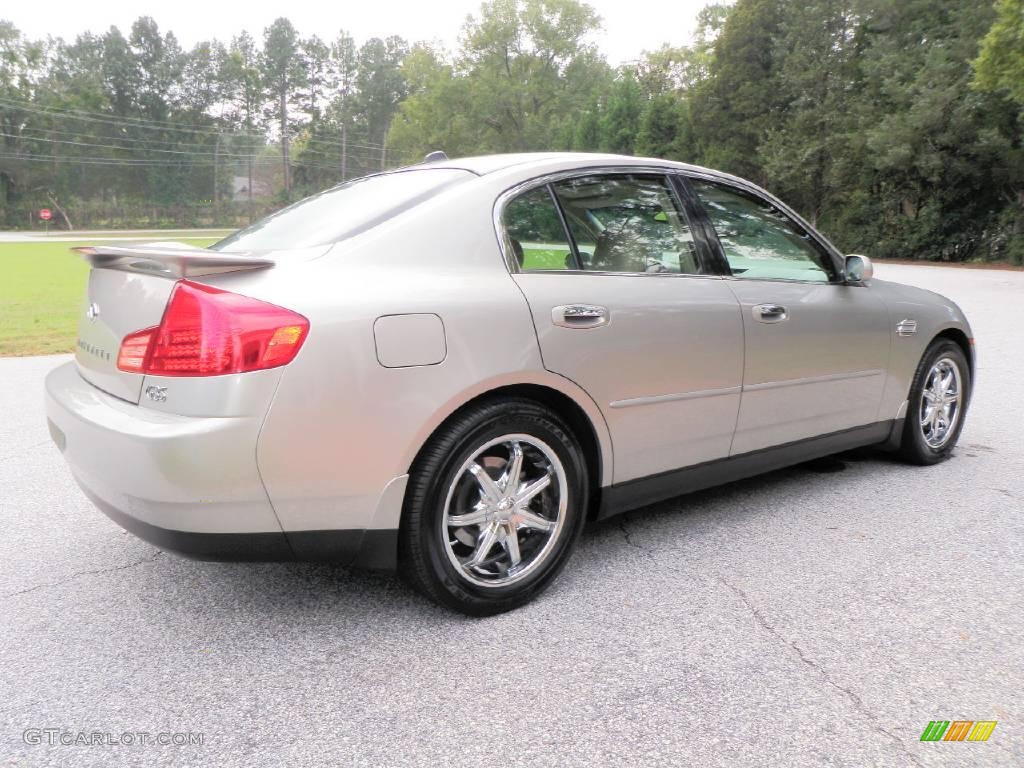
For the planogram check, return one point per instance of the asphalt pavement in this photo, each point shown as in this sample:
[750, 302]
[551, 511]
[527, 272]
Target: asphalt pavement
[820, 615]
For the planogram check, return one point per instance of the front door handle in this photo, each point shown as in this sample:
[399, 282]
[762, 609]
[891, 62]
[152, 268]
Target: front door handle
[579, 316]
[770, 313]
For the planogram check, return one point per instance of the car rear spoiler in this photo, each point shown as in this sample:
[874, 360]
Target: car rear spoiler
[171, 259]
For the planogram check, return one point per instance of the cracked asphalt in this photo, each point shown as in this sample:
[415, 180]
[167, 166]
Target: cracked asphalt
[820, 615]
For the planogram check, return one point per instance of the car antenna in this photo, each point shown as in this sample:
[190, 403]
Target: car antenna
[434, 156]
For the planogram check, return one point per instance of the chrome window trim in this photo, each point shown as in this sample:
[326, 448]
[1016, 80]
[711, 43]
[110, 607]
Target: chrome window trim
[554, 176]
[614, 274]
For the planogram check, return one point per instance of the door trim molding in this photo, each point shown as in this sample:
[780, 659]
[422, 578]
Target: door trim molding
[652, 399]
[812, 380]
[640, 492]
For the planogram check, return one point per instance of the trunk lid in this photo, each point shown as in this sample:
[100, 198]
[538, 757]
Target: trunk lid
[127, 291]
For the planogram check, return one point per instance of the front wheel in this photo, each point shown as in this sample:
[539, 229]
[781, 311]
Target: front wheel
[937, 404]
[495, 503]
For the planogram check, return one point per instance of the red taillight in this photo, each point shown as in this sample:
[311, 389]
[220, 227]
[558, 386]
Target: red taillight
[132, 355]
[207, 332]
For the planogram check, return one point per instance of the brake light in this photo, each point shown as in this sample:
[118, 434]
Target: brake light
[208, 332]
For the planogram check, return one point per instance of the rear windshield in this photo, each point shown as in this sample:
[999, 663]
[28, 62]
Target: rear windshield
[342, 211]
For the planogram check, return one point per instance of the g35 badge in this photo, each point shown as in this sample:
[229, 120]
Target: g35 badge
[156, 394]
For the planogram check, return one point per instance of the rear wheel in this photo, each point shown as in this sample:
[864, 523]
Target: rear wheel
[937, 405]
[494, 506]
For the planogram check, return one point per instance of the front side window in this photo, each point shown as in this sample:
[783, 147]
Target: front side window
[760, 241]
[627, 223]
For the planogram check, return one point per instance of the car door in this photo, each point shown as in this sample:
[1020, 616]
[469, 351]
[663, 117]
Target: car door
[816, 348]
[624, 305]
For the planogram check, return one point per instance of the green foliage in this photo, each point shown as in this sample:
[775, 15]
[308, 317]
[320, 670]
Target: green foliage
[733, 107]
[897, 126]
[1000, 64]
[620, 121]
[665, 129]
[524, 73]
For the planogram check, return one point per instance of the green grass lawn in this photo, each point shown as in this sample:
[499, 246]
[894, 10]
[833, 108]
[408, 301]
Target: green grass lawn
[539, 257]
[42, 286]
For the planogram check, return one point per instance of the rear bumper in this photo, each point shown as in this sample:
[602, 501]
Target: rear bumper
[186, 484]
[374, 549]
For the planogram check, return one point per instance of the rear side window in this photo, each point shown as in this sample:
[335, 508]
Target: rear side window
[535, 232]
[628, 223]
[623, 223]
[343, 211]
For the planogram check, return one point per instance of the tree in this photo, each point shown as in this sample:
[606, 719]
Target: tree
[344, 68]
[200, 85]
[932, 148]
[999, 68]
[380, 87]
[316, 57]
[438, 114]
[20, 62]
[1000, 64]
[284, 74]
[243, 90]
[621, 119]
[681, 69]
[665, 129]
[816, 62]
[524, 76]
[157, 67]
[735, 104]
[523, 58]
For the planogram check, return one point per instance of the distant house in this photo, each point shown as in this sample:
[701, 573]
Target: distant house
[240, 188]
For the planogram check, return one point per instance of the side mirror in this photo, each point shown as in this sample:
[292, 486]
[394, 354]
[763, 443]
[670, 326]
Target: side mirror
[858, 268]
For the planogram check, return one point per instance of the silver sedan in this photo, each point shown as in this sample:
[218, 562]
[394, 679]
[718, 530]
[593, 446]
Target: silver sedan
[448, 369]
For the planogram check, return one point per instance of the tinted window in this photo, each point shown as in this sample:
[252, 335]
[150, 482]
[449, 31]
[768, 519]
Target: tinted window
[343, 211]
[535, 232]
[760, 241]
[628, 223]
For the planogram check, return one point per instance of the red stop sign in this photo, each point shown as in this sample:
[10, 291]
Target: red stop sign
[45, 214]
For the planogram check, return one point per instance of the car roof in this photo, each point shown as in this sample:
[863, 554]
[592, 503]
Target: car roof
[482, 165]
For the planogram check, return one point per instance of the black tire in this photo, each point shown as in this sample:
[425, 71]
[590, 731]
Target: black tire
[424, 559]
[914, 448]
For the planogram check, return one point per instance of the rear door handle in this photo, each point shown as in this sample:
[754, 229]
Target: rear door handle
[579, 316]
[770, 313]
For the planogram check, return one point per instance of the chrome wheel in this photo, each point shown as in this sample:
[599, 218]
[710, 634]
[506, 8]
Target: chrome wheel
[941, 401]
[505, 510]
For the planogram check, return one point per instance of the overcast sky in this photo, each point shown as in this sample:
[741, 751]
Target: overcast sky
[630, 26]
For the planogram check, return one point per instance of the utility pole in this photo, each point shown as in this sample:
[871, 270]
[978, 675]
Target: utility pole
[216, 169]
[284, 145]
[252, 149]
[344, 149]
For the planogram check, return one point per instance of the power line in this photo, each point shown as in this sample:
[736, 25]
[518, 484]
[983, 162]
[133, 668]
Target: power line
[124, 149]
[119, 120]
[365, 155]
[147, 124]
[138, 163]
[190, 153]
